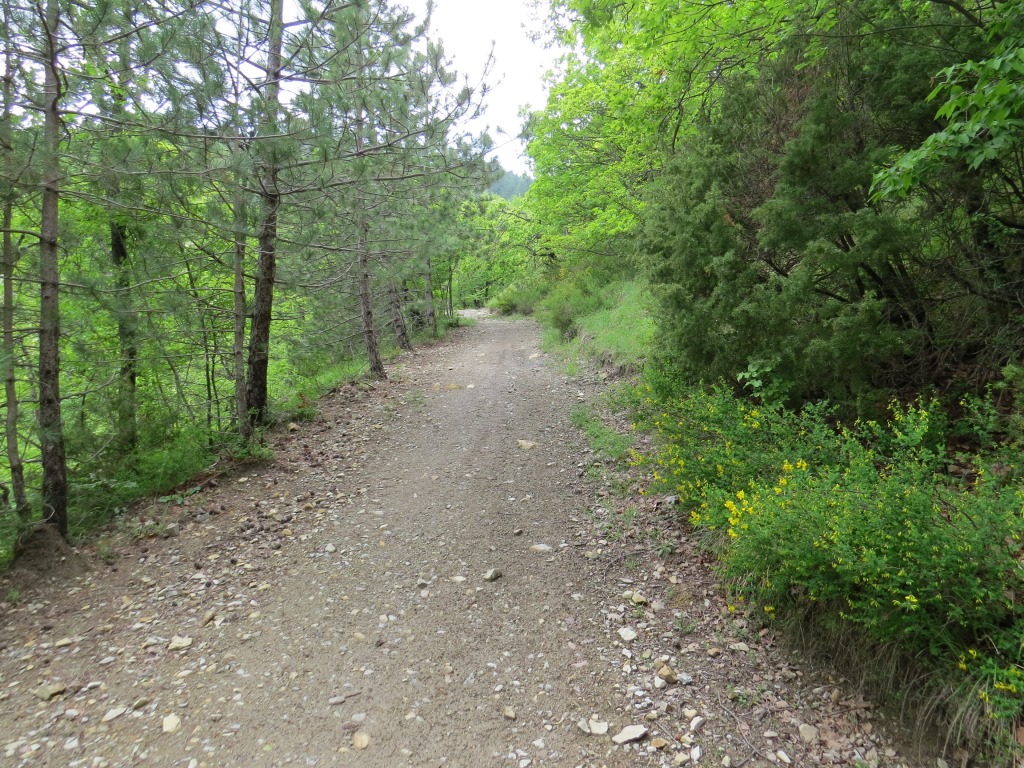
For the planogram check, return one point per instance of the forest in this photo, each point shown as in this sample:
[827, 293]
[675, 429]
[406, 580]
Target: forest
[800, 225]
[213, 213]
[797, 228]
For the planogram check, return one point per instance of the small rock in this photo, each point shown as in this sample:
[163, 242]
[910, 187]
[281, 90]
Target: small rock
[696, 724]
[71, 743]
[784, 757]
[526, 444]
[639, 599]
[741, 647]
[171, 723]
[114, 712]
[493, 575]
[508, 713]
[171, 530]
[630, 733]
[668, 674]
[808, 733]
[696, 754]
[293, 427]
[518, 532]
[179, 643]
[47, 692]
[209, 616]
[681, 758]
[714, 652]
[141, 702]
[726, 762]
[330, 549]
[64, 642]
[593, 726]
[360, 740]
[541, 548]
[628, 634]
[659, 743]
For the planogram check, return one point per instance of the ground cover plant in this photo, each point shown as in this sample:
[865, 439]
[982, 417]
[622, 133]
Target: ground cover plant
[871, 525]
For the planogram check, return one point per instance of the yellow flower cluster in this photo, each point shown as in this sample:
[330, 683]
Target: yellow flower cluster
[739, 513]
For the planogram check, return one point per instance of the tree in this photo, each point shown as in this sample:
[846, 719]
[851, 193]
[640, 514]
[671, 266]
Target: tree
[51, 425]
[270, 193]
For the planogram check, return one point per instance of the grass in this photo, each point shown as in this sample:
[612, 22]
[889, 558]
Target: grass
[621, 334]
[603, 439]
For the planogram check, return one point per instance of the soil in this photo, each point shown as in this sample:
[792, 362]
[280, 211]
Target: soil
[432, 572]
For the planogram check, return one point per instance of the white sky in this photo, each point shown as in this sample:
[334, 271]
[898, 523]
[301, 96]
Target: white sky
[467, 28]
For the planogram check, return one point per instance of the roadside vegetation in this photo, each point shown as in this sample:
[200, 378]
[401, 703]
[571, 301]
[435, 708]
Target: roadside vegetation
[805, 240]
[799, 224]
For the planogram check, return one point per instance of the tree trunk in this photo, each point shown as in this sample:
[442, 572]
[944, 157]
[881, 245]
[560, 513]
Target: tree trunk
[366, 305]
[10, 258]
[127, 337]
[51, 427]
[238, 349]
[397, 318]
[428, 298]
[266, 265]
[451, 297]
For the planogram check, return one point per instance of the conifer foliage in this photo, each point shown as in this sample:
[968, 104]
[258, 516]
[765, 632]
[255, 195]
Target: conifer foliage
[204, 204]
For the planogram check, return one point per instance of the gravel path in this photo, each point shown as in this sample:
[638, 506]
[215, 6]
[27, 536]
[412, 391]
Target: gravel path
[420, 578]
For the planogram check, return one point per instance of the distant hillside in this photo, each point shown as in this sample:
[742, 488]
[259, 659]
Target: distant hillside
[511, 185]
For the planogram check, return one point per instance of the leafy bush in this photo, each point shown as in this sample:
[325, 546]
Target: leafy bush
[520, 297]
[568, 302]
[863, 524]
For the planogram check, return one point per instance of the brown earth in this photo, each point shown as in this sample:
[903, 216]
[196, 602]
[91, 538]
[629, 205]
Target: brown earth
[430, 573]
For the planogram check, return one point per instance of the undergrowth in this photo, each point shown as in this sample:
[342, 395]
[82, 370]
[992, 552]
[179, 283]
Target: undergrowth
[605, 440]
[863, 525]
[172, 456]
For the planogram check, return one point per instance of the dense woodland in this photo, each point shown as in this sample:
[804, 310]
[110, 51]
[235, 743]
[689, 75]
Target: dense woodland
[804, 223]
[209, 211]
[800, 224]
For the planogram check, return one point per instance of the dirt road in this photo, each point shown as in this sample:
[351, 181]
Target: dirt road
[352, 588]
[418, 579]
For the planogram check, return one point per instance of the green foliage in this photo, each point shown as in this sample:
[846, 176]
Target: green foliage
[860, 524]
[521, 297]
[605, 440]
[621, 332]
[613, 326]
[569, 301]
[981, 116]
[511, 185]
[100, 495]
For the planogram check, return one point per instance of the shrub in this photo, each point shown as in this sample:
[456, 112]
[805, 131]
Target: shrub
[519, 298]
[862, 524]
